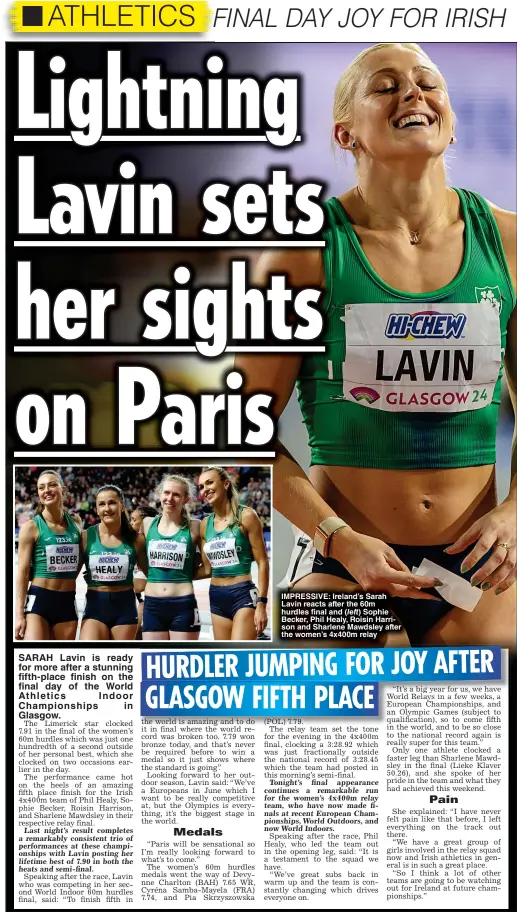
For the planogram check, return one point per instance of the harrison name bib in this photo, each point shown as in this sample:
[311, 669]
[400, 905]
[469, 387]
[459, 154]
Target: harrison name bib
[167, 555]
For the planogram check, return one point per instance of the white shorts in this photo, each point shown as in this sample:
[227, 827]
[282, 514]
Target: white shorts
[301, 560]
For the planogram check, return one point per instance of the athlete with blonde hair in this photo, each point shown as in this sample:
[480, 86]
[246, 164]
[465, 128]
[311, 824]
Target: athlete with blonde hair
[401, 409]
[170, 606]
[48, 560]
[231, 539]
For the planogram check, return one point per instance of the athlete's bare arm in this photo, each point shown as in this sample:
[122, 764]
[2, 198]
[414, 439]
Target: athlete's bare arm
[77, 520]
[200, 571]
[141, 553]
[205, 570]
[253, 528]
[370, 561]
[26, 541]
[145, 526]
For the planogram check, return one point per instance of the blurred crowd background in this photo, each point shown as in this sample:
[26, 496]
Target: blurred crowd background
[139, 487]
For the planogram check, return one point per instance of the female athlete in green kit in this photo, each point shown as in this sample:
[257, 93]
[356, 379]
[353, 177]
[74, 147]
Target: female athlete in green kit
[402, 407]
[231, 539]
[48, 563]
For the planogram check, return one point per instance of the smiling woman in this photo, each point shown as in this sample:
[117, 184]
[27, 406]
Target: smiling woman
[111, 550]
[402, 408]
[48, 559]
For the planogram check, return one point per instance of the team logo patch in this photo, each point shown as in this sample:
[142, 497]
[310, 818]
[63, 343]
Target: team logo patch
[364, 394]
[490, 293]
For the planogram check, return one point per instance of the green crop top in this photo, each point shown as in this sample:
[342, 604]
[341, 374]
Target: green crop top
[408, 380]
[108, 566]
[228, 551]
[56, 554]
[170, 557]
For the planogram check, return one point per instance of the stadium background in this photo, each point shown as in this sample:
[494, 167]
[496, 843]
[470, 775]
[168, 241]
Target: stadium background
[139, 487]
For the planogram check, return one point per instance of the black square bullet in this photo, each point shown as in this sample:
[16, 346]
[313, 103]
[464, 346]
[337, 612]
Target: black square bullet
[32, 16]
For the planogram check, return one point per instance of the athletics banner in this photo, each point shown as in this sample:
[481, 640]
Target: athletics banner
[260, 534]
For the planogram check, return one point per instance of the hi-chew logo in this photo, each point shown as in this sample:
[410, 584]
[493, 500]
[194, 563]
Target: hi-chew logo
[425, 324]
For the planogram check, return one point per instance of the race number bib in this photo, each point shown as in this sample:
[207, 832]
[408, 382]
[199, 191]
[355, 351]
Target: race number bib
[442, 358]
[109, 568]
[29, 603]
[62, 558]
[167, 555]
[222, 552]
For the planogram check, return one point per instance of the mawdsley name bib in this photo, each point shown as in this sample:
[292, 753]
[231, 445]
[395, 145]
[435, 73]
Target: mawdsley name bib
[167, 555]
[62, 558]
[441, 358]
[222, 552]
[108, 568]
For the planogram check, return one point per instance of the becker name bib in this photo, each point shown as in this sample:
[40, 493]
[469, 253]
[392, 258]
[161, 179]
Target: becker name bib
[167, 555]
[222, 552]
[108, 567]
[442, 358]
[62, 558]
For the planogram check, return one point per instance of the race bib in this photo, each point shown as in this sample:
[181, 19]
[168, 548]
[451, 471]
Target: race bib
[29, 603]
[109, 568]
[222, 552]
[167, 555]
[62, 558]
[442, 358]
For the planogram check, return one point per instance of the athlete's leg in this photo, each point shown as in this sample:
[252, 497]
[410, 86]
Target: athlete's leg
[183, 635]
[155, 635]
[492, 623]
[124, 632]
[243, 627]
[325, 582]
[65, 630]
[222, 627]
[37, 627]
[92, 629]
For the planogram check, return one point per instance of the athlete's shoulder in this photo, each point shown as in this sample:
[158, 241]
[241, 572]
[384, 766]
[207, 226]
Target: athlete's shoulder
[28, 532]
[147, 523]
[89, 535]
[506, 221]
[249, 518]
[76, 519]
[302, 267]
[202, 526]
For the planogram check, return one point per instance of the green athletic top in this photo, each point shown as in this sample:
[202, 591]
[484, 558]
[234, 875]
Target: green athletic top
[108, 566]
[408, 380]
[56, 554]
[228, 551]
[170, 557]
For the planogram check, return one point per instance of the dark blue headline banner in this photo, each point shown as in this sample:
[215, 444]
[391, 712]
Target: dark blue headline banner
[298, 682]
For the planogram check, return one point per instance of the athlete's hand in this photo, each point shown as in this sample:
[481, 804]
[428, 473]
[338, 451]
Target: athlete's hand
[260, 618]
[19, 626]
[377, 568]
[489, 533]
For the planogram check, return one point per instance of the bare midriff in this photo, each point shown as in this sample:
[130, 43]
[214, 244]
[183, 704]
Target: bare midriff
[169, 590]
[230, 580]
[408, 507]
[54, 585]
